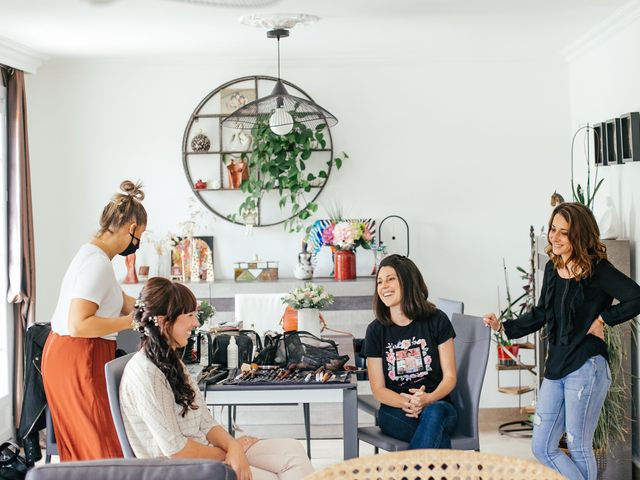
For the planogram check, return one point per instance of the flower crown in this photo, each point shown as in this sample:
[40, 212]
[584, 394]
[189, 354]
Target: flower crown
[142, 326]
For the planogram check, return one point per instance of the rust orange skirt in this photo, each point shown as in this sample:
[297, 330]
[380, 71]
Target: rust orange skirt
[74, 382]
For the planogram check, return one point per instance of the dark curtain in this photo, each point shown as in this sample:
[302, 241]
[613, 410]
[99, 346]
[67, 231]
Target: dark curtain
[21, 261]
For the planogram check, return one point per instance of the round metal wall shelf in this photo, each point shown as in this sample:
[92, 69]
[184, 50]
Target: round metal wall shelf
[225, 144]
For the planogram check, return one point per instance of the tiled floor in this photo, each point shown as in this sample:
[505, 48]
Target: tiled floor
[328, 452]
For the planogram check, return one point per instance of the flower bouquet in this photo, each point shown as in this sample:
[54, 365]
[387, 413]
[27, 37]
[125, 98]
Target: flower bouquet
[308, 300]
[348, 235]
[344, 237]
[309, 296]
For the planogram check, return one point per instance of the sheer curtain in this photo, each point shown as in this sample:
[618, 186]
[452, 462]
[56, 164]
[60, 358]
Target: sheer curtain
[21, 261]
[6, 316]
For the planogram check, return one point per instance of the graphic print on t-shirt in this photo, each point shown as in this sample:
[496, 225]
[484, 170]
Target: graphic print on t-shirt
[408, 360]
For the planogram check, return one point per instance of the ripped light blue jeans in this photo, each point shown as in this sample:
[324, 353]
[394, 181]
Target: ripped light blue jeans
[571, 404]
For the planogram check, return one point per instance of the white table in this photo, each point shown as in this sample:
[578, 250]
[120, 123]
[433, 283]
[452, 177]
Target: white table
[269, 394]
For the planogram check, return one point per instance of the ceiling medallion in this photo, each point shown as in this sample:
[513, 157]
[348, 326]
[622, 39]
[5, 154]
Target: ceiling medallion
[278, 20]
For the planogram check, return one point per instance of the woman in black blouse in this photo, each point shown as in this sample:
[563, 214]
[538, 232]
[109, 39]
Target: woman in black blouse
[575, 304]
[411, 358]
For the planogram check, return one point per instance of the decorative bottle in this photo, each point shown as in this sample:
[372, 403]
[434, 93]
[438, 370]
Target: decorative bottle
[232, 353]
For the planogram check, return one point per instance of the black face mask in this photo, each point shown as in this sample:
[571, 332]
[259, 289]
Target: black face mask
[132, 247]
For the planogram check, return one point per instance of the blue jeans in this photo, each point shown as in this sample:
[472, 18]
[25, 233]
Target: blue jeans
[432, 429]
[571, 404]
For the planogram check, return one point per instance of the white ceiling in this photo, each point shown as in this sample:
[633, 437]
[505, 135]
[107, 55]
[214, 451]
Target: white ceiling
[348, 29]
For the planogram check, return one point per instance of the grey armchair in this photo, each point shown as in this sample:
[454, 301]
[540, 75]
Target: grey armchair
[472, 353]
[370, 405]
[113, 374]
[134, 469]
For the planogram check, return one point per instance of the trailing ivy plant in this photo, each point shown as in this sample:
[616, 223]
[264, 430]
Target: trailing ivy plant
[278, 162]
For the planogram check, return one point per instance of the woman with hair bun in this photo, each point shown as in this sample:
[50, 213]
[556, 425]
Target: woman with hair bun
[91, 310]
[163, 410]
[575, 304]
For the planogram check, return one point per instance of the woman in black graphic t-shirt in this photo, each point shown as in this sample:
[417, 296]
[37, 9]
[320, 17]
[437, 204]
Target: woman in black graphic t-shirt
[411, 358]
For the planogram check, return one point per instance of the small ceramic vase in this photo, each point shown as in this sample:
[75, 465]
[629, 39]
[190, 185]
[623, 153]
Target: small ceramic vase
[304, 269]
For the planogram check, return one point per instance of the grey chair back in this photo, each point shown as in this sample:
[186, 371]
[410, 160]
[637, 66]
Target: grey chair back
[472, 343]
[113, 373]
[128, 340]
[450, 306]
[51, 442]
[134, 469]
[472, 353]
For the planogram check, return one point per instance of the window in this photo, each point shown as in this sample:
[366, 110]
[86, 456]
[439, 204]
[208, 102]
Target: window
[6, 325]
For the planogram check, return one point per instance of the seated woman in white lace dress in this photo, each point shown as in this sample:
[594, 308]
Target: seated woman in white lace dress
[163, 410]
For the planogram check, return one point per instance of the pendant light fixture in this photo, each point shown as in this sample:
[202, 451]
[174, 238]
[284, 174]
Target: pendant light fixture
[280, 110]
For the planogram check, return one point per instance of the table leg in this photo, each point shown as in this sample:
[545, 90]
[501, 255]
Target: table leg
[307, 427]
[350, 422]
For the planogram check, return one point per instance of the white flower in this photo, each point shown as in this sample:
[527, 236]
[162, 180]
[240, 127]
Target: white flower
[308, 296]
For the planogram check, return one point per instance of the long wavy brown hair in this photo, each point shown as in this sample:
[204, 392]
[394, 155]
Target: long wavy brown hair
[415, 294]
[162, 297]
[584, 236]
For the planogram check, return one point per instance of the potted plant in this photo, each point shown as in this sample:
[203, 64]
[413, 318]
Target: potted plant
[611, 424]
[507, 351]
[278, 162]
[205, 312]
[585, 197]
[308, 301]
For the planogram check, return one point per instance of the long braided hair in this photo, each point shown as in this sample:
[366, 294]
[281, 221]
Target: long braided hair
[164, 298]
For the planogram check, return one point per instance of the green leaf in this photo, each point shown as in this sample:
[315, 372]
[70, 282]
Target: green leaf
[322, 174]
[338, 163]
[320, 127]
[311, 177]
[595, 190]
[305, 155]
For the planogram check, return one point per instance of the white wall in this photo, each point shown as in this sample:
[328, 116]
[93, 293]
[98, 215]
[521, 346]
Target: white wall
[466, 151]
[604, 77]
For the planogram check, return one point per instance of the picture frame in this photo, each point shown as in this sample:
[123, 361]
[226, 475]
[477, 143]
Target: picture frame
[597, 145]
[630, 136]
[617, 144]
[614, 149]
[603, 144]
[183, 262]
[231, 99]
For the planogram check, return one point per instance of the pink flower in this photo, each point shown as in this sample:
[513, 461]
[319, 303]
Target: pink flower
[390, 357]
[422, 342]
[392, 375]
[367, 235]
[344, 235]
[405, 344]
[327, 234]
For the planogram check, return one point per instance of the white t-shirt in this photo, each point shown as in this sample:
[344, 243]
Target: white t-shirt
[90, 276]
[152, 418]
